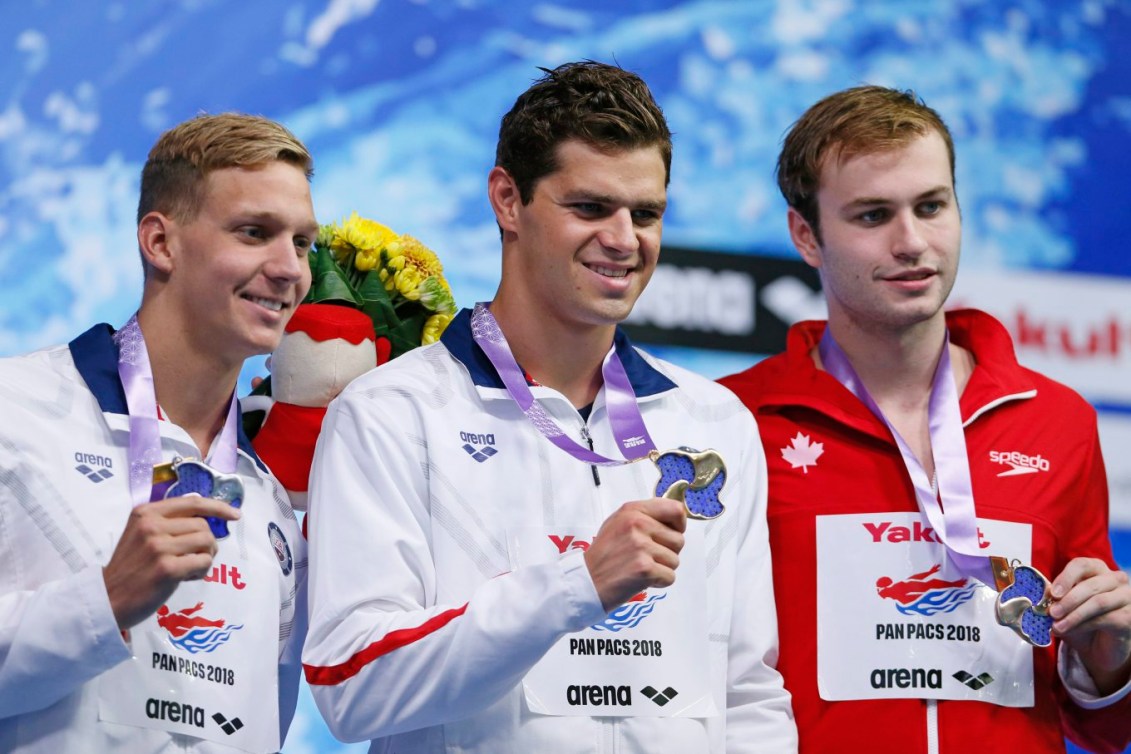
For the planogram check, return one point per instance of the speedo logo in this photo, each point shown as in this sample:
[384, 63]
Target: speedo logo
[1018, 462]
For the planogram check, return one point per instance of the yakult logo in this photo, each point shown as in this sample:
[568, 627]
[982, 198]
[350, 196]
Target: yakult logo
[1104, 338]
[885, 531]
[1018, 462]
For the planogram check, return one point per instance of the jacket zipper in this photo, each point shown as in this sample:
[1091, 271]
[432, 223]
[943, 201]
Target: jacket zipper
[585, 436]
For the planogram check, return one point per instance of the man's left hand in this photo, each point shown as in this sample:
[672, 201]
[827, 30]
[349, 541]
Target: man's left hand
[1092, 613]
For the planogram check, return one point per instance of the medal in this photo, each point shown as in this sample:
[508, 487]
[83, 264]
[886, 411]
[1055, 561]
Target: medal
[1024, 599]
[187, 476]
[693, 478]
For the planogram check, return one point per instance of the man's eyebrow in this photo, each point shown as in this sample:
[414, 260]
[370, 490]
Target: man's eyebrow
[875, 201]
[269, 216]
[658, 205]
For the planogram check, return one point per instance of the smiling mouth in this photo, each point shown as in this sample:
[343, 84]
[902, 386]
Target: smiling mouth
[266, 303]
[608, 272]
[911, 276]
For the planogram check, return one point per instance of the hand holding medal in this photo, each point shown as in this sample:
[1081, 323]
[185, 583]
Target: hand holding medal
[191, 477]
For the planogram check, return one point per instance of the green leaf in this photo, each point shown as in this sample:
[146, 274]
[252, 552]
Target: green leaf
[329, 281]
[406, 335]
[372, 289]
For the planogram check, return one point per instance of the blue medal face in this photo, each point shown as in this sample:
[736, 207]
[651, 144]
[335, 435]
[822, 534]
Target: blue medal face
[198, 478]
[1023, 605]
[695, 479]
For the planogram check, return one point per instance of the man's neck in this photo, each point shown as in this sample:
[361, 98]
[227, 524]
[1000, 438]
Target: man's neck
[898, 370]
[558, 355]
[193, 389]
[897, 367]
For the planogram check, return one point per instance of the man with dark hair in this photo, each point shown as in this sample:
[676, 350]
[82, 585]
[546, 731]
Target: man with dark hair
[132, 620]
[479, 583]
[904, 442]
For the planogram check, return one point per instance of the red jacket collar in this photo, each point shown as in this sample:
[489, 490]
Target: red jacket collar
[791, 378]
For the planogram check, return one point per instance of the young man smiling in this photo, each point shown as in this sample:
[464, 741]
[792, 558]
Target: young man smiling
[882, 428]
[93, 558]
[479, 582]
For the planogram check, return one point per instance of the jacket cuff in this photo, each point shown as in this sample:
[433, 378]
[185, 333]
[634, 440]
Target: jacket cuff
[585, 603]
[107, 646]
[1079, 684]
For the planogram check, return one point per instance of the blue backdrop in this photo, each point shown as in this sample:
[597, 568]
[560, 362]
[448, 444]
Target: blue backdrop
[400, 102]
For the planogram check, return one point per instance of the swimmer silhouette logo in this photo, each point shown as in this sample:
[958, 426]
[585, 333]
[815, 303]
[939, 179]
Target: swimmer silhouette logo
[191, 631]
[924, 593]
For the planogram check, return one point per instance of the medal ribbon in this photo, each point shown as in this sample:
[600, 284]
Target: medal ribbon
[624, 414]
[955, 522]
[136, 375]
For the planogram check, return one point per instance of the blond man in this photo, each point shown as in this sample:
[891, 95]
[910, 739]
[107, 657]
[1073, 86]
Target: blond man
[134, 618]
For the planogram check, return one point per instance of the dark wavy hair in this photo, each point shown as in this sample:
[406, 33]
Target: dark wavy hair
[601, 105]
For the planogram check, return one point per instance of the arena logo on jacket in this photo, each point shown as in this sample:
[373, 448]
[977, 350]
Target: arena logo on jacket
[479, 445]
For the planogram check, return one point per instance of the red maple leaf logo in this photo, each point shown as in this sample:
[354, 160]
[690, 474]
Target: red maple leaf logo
[802, 452]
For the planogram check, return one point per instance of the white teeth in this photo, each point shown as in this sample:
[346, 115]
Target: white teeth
[609, 272]
[266, 303]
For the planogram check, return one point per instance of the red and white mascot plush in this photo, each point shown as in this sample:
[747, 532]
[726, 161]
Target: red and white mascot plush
[323, 348]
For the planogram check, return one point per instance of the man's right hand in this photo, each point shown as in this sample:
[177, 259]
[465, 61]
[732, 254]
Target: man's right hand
[637, 547]
[164, 543]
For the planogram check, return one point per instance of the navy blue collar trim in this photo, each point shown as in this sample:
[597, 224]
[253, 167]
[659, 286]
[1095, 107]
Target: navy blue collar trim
[645, 379]
[96, 357]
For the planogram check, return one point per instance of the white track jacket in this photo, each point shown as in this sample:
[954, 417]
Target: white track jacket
[422, 627]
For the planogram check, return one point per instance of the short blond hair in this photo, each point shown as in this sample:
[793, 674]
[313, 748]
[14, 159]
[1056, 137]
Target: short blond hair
[852, 122]
[172, 181]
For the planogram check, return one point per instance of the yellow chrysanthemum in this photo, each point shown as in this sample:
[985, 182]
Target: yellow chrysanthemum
[366, 260]
[434, 327]
[419, 256]
[407, 282]
[364, 234]
[436, 294]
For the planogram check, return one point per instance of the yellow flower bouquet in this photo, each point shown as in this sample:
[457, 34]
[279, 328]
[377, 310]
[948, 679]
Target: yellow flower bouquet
[394, 279]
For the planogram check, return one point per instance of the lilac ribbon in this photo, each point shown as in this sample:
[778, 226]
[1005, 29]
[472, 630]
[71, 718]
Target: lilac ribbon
[624, 414]
[955, 522]
[136, 375]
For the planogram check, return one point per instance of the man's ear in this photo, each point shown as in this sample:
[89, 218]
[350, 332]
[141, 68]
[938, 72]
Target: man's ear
[505, 199]
[804, 238]
[153, 240]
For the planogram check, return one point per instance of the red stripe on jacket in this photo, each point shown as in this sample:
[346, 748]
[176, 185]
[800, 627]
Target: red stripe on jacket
[333, 674]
